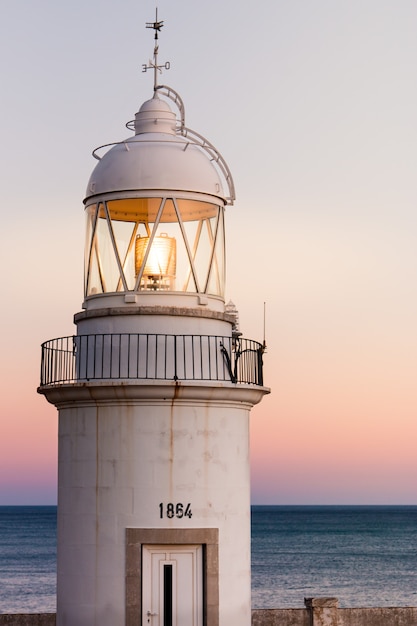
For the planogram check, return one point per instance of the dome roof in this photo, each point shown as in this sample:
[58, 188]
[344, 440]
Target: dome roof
[156, 158]
[155, 112]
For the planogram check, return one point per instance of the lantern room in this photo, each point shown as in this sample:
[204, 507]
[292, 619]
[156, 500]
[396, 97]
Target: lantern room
[155, 209]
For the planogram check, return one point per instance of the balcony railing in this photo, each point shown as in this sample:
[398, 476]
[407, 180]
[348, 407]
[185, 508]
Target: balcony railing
[85, 358]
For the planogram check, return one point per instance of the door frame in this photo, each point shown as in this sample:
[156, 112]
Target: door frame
[207, 537]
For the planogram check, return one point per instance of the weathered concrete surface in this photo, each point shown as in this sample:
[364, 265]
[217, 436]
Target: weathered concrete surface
[28, 619]
[391, 616]
[280, 617]
[325, 612]
[399, 616]
[322, 611]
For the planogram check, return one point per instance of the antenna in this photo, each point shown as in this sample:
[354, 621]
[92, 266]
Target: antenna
[156, 26]
[264, 341]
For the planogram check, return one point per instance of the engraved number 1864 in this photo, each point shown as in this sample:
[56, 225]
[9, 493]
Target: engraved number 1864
[171, 510]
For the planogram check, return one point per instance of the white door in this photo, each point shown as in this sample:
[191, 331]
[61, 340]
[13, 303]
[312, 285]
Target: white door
[172, 585]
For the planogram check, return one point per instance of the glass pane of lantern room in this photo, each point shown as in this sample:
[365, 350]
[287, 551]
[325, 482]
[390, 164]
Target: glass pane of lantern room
[199, 221]
[96, 281]
[166, 263]
[216, 280]
[106, 256]
[95, 284]
[124, 234]
[202, 246]
[130, 217]
[188, 278]
[90, 216]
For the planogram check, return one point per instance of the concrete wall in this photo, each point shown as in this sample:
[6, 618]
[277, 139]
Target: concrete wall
[404, 616]
[279, 617]
[326, 612]
[28, 619]
[318, 612]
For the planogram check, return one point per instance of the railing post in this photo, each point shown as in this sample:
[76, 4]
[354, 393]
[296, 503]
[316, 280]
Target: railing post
[260, 364]
[175, 358]
[322, 611]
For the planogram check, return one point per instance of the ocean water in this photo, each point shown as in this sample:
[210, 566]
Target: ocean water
[365, 556]
[27, 559]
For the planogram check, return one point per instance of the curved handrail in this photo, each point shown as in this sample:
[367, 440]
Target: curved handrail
[194, 138]
[87, 358]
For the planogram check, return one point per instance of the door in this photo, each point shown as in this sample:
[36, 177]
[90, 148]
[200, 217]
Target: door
[172, 585]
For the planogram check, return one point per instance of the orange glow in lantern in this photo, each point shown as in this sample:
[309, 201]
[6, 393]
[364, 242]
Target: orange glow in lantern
[160, 262]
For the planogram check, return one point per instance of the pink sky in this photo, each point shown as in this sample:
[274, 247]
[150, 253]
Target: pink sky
[315, 116]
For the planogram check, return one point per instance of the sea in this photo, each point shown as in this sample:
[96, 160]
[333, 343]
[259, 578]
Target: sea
[365, 556]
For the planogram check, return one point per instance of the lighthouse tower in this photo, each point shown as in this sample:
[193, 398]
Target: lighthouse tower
[154, 391]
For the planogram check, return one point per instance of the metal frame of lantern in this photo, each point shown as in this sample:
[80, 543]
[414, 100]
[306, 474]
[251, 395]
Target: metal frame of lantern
[196, 225]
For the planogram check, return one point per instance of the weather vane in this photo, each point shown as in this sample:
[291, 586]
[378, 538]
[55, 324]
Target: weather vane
[156, 25]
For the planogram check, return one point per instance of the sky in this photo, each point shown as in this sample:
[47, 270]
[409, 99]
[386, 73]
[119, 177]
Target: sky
[313, 105]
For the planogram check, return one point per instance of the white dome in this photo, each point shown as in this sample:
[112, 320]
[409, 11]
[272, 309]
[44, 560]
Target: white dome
[152, 113]
[155, 159]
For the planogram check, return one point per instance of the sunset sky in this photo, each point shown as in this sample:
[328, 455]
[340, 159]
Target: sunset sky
[313, 105]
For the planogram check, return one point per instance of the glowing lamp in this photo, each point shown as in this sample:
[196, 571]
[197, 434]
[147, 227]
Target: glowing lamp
[155, 262]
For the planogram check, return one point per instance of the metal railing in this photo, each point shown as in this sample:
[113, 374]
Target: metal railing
[84, 358]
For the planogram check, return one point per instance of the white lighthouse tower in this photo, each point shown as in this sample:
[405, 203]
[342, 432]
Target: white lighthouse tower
[154, 392]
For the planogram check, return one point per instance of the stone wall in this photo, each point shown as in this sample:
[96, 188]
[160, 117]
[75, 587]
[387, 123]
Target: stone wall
[28, 619]
[406, 616]
[317, 612]
[326, 612]
[280, 617]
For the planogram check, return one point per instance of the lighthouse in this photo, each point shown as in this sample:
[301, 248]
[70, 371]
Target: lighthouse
[154, 390]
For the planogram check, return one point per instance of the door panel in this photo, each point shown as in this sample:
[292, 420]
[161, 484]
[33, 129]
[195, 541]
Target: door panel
[172, 585]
